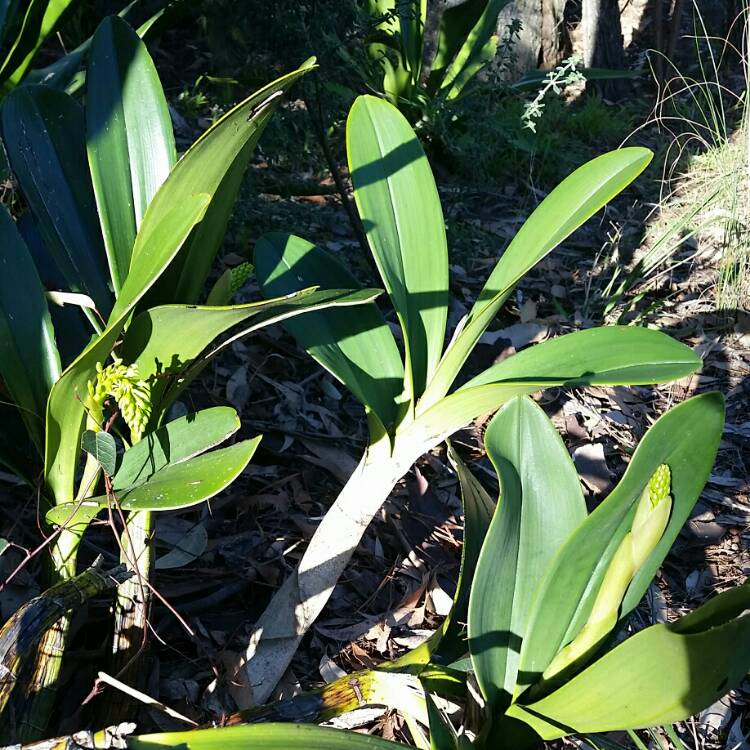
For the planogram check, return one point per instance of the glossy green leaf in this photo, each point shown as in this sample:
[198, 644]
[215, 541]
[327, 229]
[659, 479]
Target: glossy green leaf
[398, 202]
[396, 45]
[175, 442]
[72, 330]
[29, 360]
[479, 509]
[358, 349]
[38, 23]
[449, 642]
[263, 737]
[175, 486]
[215, 164]
[43, 131]
[456, 24]
[65, 72]
[166, 340]
[541, 504]
[442, 733]
[612, 355]
[608, 355]
[686, 438]
[102, 447]
[8, 10]
[662, 674]
[578, 197]
[221, 291]
[161, 237]
[129, 137]
[476, 51]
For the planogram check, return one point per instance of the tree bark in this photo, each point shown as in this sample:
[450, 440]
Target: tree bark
[602, 43]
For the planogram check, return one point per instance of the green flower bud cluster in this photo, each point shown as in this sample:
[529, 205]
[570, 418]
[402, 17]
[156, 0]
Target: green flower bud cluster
[659, 485]
[239, 275]
[132, 394]
[651, 517]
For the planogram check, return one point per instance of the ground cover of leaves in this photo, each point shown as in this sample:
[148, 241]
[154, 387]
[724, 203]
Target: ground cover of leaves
[219, 564]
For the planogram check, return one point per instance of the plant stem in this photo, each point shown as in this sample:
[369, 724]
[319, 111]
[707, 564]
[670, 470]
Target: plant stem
[35, 620]
[299, 601]
[131, 610]
[41, 689]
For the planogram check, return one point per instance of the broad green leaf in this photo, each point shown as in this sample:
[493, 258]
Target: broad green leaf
[166, 340]
[686, 438]
[29, 360]
[411, 22]
[448, 643]
[390, 47]
[541, 504]
[39, 21]
[175, 486]
[43, 131]
[8, 10]
[612, 355]
[72, 330]
[576, 199]
[442, 733]
[102, 447]
[661, 675]
[398, 202]
[455, 26]
[263, 737]
[161, 237]
[221, 291]
[16, 448]
[476, 51]
[607, 355]
[479, 509]
[175, 442]
[65, 73]
[358, 349]
[215, 164]
[129, 137]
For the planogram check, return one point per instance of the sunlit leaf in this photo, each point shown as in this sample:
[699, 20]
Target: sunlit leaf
[541, 504]
[400, 209]
[129, 137]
